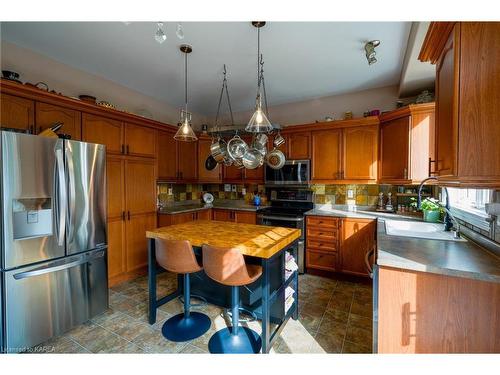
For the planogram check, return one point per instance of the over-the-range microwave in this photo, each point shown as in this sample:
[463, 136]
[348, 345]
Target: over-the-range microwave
[294, 172]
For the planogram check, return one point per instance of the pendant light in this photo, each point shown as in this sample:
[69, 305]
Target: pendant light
[259, 123]
[185, 132]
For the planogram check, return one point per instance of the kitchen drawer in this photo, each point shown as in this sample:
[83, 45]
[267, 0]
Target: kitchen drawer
[321, 234]
[323, 222]
[326, 261]
[318, 244]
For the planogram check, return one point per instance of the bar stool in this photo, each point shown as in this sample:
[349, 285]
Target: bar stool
[228, 267]
[178, 257]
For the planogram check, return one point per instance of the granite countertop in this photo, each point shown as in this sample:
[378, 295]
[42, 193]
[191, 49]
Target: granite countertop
[451, 258]
[220, 204]
[253, 240]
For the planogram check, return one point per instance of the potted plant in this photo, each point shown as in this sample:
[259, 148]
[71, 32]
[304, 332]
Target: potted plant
[432, 209]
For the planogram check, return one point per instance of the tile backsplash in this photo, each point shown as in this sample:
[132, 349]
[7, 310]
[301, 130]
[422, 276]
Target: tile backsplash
[188, 192]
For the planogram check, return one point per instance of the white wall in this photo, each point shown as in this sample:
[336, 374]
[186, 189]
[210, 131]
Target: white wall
[34, 67]
[308, 111]
[70, 81]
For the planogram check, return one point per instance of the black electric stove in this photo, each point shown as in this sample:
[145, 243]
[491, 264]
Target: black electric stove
[287, 209]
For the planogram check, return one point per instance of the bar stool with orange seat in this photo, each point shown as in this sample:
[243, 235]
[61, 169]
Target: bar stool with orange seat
[178, 257]
[228, 267]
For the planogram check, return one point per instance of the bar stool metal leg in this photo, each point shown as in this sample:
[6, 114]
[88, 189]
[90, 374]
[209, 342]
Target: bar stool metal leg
[188, 325]
[235, 339]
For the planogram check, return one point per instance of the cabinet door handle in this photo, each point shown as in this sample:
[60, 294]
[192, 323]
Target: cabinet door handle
[123, 149]
[123, 215]
[430, 167]
[128, 214]
[405, 173]
[128, 149]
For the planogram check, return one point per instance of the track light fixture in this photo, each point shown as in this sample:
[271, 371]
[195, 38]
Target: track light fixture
[370, 51]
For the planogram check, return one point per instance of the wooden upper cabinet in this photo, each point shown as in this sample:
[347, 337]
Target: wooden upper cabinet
[326, 155]
[232, 174]
[204, 175]
[467, 95]
[360, 153]
[254, 175]
[187, 160]
[140, 186]
[447, 92]
[140, 141]
[97, 129]
[298, 145]
[17, 113]
[394, 143]
[167, 156]
[47, 114]
[479, 111]
[357, 239]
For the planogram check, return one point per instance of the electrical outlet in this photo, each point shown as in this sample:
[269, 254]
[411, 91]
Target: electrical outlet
[233, 188]
[243, 191]
[227, 187]
[350, 193]
[170, 191]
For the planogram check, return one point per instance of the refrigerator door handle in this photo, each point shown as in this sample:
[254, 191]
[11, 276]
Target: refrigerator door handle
[58, 266]
[72, 192]
[63, 199]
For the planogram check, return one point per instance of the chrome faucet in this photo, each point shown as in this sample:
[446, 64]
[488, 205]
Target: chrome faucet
[448, 217]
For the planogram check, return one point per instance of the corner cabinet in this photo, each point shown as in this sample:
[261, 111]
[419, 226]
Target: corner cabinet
[467, 96]
[407, 144]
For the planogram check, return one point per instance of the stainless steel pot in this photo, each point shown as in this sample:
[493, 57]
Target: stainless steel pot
[252, 159]
[218, 150]
[275, 159]
[278, 140]
[236, 147]
[260, 139]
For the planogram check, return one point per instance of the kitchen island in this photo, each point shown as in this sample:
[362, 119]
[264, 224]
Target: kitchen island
[263, 245]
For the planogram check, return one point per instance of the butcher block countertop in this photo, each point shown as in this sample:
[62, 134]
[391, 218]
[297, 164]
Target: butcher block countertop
[253, 240]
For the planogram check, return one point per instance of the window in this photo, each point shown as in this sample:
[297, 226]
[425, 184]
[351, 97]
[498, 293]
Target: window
[469, 205]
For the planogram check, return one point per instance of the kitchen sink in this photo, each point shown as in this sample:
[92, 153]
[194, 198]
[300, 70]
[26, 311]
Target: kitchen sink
[416, 229]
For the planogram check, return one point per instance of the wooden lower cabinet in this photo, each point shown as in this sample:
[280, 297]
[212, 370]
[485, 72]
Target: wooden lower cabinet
[339, 244]
[428, 313]
[245, 217]
[116, 249]
[165, 220]
[137, 246]
[222, 215]
[357, 239]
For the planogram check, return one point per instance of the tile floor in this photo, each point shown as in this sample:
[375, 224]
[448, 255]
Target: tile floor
[335, 317]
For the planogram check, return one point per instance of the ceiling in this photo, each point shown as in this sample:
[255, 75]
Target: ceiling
[303, 60]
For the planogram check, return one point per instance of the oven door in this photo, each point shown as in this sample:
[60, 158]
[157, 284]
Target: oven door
[294, 172]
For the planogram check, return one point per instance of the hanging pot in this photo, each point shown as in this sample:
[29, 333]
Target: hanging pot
[218, 150]
[278, 140]
[252, 159]
[275, 159]
[260, 139]
[210, 163]
[236, 147]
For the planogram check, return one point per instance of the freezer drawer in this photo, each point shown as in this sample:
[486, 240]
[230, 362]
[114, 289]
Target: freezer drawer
[47, 300]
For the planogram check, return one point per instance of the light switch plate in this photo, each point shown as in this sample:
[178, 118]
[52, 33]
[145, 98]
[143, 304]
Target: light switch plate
[350, 193]
[227, 187]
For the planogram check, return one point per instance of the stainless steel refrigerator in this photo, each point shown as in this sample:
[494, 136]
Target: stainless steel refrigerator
[53, 264]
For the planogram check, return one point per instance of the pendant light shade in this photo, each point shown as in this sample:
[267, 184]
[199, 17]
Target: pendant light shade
[259, 123]
[185, 132]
